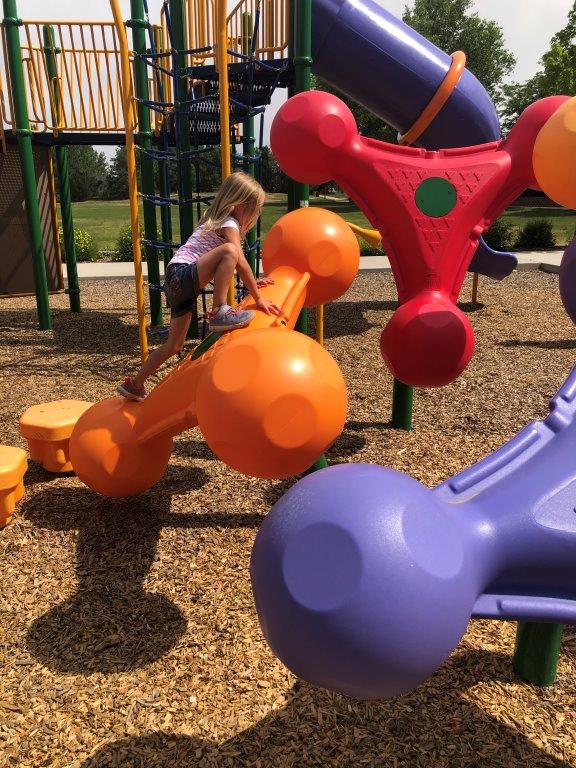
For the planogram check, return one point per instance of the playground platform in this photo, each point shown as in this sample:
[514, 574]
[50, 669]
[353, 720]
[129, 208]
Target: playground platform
[547, 261]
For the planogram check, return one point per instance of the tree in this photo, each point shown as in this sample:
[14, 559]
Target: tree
[368, 123]
[87, 173]
[556, 76]
[117, 177]
[209, 170]
[273, 180]
[451, 26]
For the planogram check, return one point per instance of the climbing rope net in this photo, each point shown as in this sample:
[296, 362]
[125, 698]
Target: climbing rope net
[185, 102]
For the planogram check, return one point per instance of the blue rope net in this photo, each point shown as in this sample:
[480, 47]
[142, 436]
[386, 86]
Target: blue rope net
[251, 85]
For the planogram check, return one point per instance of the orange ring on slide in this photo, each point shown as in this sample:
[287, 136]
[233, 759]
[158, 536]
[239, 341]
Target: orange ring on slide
[438, 101]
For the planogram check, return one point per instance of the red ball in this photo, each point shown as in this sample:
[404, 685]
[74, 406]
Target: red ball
[428, 342]
[307, 134]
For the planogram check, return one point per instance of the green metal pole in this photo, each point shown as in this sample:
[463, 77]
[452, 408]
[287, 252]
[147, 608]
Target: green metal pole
[182, 118]
[248, 140]
[320, 464]
[164, 179]
[402, 402]
[302, 28]
[166, 215]
[63, 174]
[300, 50]
[537, 652]
[144, 140]
[290, 204]
[24, 136]
[402, 405]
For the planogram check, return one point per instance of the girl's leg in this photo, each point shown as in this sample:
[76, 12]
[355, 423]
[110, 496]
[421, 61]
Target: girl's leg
[218, 265]
[173, 344]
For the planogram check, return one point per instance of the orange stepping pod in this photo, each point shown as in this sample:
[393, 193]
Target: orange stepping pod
[13, 466]
[47, 428]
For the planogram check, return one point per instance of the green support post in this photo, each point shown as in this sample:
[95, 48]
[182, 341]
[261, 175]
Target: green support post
[300, 50]
[302, 31]
[248, 140]
[537, 651]
[182, 118]
[24, 136]
[320, 464]
[164, 181]
[63, 174]
[402, 402]
[139, 26]
[402, 405]
[166, 216]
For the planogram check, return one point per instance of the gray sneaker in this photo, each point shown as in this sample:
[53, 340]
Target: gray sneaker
[228, 319]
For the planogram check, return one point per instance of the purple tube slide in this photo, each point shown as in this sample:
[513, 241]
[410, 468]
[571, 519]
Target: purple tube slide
[387, 67]
[365, 580]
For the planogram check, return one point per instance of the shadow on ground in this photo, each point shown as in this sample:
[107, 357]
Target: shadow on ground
[348, 318]
[539, 343]
[112, 624]
[316, 728]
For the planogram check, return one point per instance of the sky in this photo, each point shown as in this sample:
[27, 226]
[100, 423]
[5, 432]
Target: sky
[528, 25]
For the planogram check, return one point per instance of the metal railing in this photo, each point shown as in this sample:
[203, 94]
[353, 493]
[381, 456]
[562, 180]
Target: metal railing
[272, 33]
[85, 96]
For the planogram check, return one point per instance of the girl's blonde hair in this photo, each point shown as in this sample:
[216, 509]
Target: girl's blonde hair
[237, 189]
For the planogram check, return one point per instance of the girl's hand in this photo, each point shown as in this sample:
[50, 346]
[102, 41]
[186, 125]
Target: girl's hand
[263, 281]
[268, 307]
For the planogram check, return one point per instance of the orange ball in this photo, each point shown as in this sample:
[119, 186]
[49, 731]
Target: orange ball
[317, 241]
[105, 455]
[271, 403]
[554, 156]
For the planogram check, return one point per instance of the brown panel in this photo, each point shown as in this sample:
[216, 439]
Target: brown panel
[16, 272]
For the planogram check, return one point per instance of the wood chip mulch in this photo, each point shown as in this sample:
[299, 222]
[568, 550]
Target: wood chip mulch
[128, 635]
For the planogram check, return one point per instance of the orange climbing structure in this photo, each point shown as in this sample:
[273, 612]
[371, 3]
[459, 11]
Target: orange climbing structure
[268, 400]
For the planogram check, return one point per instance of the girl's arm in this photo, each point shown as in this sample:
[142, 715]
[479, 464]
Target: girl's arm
[232, 235]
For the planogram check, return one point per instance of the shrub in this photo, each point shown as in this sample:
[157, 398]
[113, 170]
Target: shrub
[86, 249]
[370, 250]
[537, 235]
[501, 235]
[124, 250]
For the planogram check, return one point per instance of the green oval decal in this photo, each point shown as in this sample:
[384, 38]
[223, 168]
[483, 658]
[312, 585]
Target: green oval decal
[436, 197]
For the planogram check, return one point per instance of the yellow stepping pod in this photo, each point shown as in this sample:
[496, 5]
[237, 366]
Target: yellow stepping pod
[13, 466]
[47, 428]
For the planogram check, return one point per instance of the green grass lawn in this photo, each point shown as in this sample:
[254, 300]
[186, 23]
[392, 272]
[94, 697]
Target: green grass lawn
[104, 220]
[563, 221]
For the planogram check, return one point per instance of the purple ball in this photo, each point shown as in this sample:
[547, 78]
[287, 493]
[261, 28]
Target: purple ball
[362, 581]
[568, 280]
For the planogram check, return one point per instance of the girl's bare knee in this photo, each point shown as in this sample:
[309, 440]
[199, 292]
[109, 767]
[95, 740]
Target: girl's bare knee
[229, 252]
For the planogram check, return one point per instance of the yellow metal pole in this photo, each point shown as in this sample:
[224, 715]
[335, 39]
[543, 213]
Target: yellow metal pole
[475, 289]
[320, 324]
[222, 63]
[130, 120]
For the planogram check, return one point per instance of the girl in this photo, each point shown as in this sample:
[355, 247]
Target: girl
[211, 254]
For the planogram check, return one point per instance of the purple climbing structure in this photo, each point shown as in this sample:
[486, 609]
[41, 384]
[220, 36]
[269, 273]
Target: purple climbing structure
[365, 580]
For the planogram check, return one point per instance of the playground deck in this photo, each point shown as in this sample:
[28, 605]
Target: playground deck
[128, 635]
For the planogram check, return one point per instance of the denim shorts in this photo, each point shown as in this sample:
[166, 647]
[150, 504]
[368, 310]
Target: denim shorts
[182, 288]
